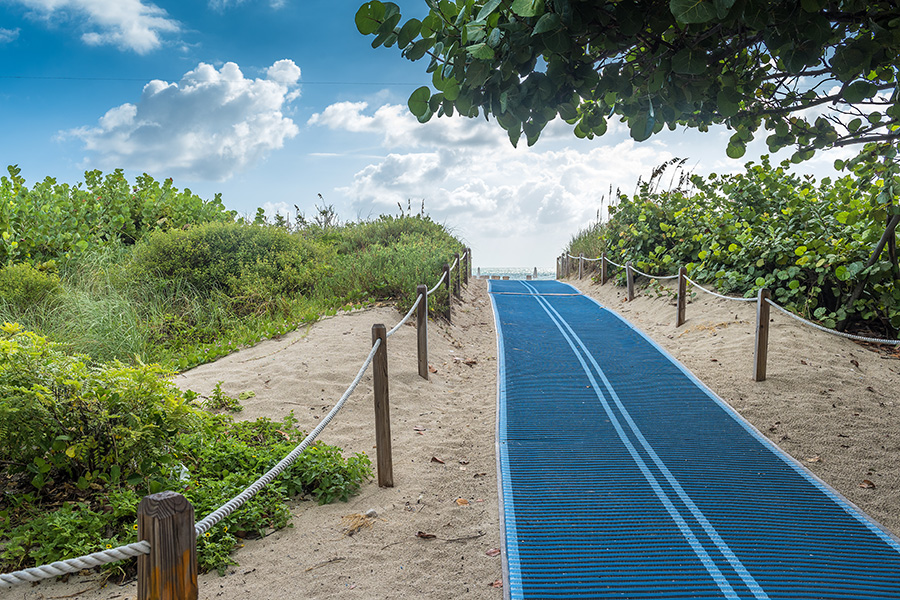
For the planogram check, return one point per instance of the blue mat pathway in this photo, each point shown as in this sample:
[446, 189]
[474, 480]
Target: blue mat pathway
[622, 476]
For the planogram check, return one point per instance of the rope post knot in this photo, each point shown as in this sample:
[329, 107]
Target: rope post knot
[169, 572]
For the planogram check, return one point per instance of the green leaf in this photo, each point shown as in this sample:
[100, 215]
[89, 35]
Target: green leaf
[481, 51]
[418, 101]
[736, 149]
[689, 62]
[409, 32]
[451, 89]
[760, 282]
[800, 251]
[693, 11]
[794, 284]
[527, 8]
[489, 7]
[369, 17]
[727, 101]
[549, 22]
[418, 49]
[722, 7]
[859, 91]
[842, 273]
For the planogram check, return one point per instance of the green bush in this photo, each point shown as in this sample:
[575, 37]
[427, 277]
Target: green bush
[55, 221]
[23, 286]
[253, 265]
[80, 442]
[807, 242]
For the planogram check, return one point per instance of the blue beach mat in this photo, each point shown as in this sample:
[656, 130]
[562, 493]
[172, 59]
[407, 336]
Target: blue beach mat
[622, 476]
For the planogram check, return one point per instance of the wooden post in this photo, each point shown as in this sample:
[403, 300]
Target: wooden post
[468, 261]
[603, 269]
[557, 266]
[422, 330]
[629, 277]
[449, 293]
[383, 460]
[761, 350]
[565, 264]
[169, 572]
[580, 265]
[682, 291]
[456, 286]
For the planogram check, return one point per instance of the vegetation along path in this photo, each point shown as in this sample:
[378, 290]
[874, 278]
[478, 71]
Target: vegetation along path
[622, 475]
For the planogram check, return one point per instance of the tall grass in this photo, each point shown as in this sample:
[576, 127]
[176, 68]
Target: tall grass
[183, 298]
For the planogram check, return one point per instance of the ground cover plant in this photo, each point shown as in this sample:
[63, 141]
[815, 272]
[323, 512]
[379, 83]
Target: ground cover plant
[146, 281]
[826, 249]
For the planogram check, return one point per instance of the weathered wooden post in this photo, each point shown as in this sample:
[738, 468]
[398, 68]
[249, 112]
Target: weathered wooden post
[682, 291]
[468, 261]
[629, 277]
[603, 269]
[422, 330]
[169, 572]
[761, 349]
[383, 461]
[449, 293]
[580, 265]
[457, 288]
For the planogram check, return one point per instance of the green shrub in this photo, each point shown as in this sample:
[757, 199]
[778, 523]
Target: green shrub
[23, 286]
[807, 242]
[80, 442]
[255, 266]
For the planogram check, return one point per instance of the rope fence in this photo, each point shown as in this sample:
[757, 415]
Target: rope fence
[712, 293]
[166, 520]
[564, 268]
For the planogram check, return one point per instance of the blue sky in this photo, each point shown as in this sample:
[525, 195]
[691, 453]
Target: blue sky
[272, 102]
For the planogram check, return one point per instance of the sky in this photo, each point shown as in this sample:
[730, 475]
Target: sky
[274, 102]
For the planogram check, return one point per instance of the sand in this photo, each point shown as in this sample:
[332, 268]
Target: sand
[829, 402]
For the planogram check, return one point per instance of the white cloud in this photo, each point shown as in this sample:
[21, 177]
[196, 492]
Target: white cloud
[398, 128]
[8, 35]
[128, 24]
[209, 125]
[475, 181]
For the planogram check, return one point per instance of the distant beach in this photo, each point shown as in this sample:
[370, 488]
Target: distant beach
[515, 272]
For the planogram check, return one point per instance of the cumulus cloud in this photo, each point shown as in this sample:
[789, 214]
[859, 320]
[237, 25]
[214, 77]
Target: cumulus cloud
[8, 35]
[398, 128]
[128, 24]
[474, 180]
[211, 124]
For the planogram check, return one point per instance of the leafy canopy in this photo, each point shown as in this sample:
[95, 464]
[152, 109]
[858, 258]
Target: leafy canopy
[812, 73]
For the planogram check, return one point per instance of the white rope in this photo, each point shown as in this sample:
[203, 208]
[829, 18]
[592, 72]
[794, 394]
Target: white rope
[592, 259]
[434, 289]
[453, 266]
[406, 318]
[654, 276]
[832, 331]
[73, 565]
[718, 295]
[229, 507]
[615, 264]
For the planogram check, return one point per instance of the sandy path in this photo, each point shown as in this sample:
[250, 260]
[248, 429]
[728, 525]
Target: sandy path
[829, 402]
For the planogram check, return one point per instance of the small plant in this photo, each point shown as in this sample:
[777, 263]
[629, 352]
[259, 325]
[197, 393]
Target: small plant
[218, 400]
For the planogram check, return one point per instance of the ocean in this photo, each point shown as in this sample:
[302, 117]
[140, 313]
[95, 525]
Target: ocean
[514, 272]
